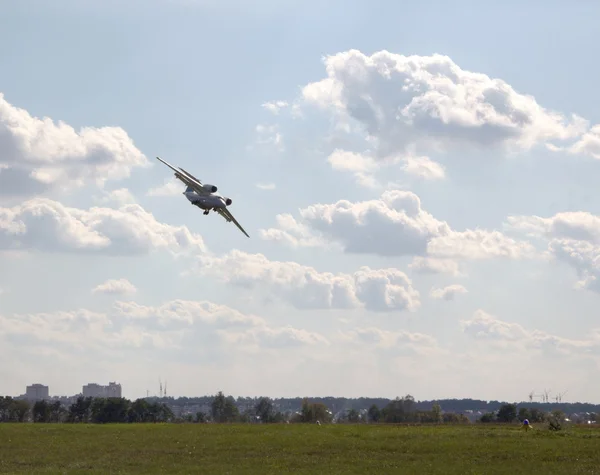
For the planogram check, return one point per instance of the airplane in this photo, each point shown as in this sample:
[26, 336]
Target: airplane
[204, 196]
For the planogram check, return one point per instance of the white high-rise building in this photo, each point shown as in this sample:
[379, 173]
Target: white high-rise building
[96, 390]
[36, 392]
[113, 390]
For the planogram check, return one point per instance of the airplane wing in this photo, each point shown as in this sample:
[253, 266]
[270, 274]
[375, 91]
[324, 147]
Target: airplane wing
[229, 217]
[187, 178]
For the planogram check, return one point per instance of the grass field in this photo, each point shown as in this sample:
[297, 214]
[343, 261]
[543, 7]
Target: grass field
[296, 448]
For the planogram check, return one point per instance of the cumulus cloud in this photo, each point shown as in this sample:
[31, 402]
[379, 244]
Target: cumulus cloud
[46, 225]
[177, 325]
[500, 334]
[275, 338]
[394, 225]
[38, 154]
[275, 106]
[432, 265]
[364, 166]
[399, 110]
[429, 101]
[115, 287]
[588, 144]
[448, 292]
[577, 225]
[423, 167]
[572, 237]
[185, 313]
[306, 288]
[395, 341]
[121, 196]
[171, 187]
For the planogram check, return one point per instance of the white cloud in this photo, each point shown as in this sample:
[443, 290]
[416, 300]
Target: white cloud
[115, 287]
[269, 135]
[588, 144]
[448, 292]
[275, 338]
[292, 233]
[578, 225]
[306, 288]
[46, 225]
[365, 167]
[275, 106]
[423, 167]
[504, 335]
[397, 341]
[431, 265]
[174, 326]
[38, 154]
[394, 225]
[121, 196]
[171, 187]
[573, 238]
[430, 102]
[186, 313]
[265, 186]
[402, 109]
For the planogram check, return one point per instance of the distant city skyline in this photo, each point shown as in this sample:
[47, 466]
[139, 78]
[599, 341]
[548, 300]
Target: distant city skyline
[37, 391]
[113, 389]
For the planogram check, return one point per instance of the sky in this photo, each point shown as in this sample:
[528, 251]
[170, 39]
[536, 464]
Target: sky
[418, 180]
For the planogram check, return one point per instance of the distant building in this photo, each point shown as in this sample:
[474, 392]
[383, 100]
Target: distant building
[36, 392]
[113, 390]
[96, 390]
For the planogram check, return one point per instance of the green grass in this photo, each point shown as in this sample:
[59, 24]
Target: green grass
[296, 448]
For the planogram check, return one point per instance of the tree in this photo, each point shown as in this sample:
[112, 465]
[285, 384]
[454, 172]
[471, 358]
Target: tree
[374, 413]
[507, 413]
[399, 410]
[436, 413]
[487, 417]
[141, 411]
[110, 410]
[41, 411]
[537, 415]
[524, 413]
[264, 410]
[353, 416]
[57, 412]
[13, 410]
[201, 417]
[80, 410]
[556, 420]
[223, 409]
[313, 412]
[454, 418]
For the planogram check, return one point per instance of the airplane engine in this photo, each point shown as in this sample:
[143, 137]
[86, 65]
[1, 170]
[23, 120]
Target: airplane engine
[228, 201]
[210, 188]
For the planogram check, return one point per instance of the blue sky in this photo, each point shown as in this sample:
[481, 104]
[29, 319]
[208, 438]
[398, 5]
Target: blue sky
[295, 314]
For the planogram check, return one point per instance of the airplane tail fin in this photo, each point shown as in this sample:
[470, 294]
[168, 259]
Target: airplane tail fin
[189, 189]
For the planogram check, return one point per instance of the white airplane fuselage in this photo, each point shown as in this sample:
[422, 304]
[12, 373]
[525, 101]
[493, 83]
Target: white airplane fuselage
[207, 202]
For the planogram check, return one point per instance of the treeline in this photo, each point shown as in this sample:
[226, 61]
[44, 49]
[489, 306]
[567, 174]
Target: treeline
[223, 409]
[512, 412]
[85, 409]
[226, 409]
[337, 404]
